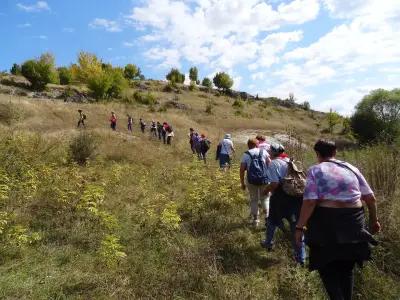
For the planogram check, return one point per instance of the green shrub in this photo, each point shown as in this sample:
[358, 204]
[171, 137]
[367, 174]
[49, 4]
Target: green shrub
[193, 86]
[82, 147]
[145, 98]
[238, 103]
[39, 72]
[15, 69]
[209, 108]
[65, 75]
[9, 113]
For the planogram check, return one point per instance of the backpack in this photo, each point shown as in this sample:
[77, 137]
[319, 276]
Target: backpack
[84, 116]
[294, 183]
[257, 171]
[205, 145]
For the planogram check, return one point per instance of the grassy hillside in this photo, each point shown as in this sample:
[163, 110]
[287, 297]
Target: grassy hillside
[143, 220]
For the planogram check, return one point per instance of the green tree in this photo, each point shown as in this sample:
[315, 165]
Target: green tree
[223, 81]
[207, 82]
[193, 74]
[65, 75]
[377, 116]
[131, 71]
[88, 66]
[174, 76]
[39, 71]
[333, 119]
[306, 105]
[15, 69]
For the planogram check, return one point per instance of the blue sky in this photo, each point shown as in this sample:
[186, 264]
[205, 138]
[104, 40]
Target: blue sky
[327, 52]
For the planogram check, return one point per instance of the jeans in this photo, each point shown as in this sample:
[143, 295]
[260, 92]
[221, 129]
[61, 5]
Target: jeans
[113, 125]
[164, 137]
[299, 252]
[338, 280]
[129, 127]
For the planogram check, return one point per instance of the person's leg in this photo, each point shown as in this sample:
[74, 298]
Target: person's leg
[299, 252]
[332, 282]
[253, 197]
[79, 123]
[347, 279]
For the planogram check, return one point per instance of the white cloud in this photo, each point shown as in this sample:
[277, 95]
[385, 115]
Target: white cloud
[25, 25]
[221, 33]
[68, 29]
[107, 25]
[37, 7]
[128, 44]
[258, 76]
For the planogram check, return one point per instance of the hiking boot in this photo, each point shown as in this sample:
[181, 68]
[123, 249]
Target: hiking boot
[264, 244]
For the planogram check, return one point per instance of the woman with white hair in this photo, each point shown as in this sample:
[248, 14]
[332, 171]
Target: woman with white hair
[225, 153]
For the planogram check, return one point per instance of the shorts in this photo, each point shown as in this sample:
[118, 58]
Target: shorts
[224, 160]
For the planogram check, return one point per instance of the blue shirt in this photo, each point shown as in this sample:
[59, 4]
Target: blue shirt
[277, 170]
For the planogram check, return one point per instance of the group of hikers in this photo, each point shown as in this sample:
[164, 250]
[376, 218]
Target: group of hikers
[324, 208]
[162, 131]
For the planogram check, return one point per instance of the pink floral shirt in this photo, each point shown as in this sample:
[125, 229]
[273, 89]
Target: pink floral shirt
[329, 181]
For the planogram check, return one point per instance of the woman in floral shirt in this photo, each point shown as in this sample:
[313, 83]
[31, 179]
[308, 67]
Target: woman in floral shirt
[333, 212]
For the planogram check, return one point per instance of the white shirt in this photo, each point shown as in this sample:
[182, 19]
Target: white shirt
[226, 146]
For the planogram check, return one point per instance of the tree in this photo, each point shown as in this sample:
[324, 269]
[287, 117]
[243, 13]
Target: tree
[15, 69]
[88, 66]
[174, 76]
[333, 119]
[223, 81]
[65, 75]
[193, 74]
[377, 116]
[306, 105]
[131, 71]
[39, 71]
[207, 82]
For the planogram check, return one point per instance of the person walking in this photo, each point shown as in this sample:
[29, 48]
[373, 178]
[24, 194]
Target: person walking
[159, 130]
[113, 121]
[170, 134]
[197, 145]
[254, 163]
[82, 118]
[130, 122]
[262, 144]
[333, 214]
[142, 125]
[153, 129]
[191, 140]
[164, 132]
[205, 145]
[226, 150]
[282, 205]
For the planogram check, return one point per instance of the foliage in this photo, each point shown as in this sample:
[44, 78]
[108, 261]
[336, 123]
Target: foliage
[131, 71]
[207, 82]
[192, 86]
[209, 108]
[193, 74]
[39, 71]
[65, 75]
[144, 98]
[306, 105]
[15, 69]
[223, 81]
[82, 147]
[333, 119]
[174, 76]
[238, 103]
[377, 116]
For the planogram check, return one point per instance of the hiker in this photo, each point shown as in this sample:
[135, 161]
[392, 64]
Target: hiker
[205, 145]
[282, 205]
[142, 125]
[170, 133]
[225, 151]
[254, 163]
[262, 144]
[164, 132]
[113, 121]
[130, 122]
[197, 145]
[82, 118]
[159, 130]
[191, 141]
[333, 212]
[153, 128]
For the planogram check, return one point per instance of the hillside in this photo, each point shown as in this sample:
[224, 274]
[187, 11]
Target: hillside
[146, 221]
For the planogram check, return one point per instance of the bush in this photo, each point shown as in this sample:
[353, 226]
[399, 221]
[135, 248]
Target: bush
[238, 103]
[223, 81]
[99, 85]
[15, 69]
[65, 75]
[82, 148]
[39, 72]
[209, 108]
[131, 71]
[9, 113]
[192, 86]
[145, 98]
[207, 82]
[174, 76]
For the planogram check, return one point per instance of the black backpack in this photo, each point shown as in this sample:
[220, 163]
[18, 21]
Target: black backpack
[257, 171]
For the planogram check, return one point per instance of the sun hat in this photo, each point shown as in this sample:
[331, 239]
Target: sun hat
[228, 136]
[277, 148]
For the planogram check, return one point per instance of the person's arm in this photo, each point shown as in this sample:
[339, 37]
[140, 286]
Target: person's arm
[271, 187]
[370, 201]
[307, 209]
[243, 168]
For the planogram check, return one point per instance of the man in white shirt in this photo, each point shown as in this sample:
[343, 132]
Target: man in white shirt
[256, 189]
[227, 149]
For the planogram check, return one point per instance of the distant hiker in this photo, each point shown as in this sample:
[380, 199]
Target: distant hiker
[142, 125]
[205, 145]
[159, 130]
[153, 128]
[191, 141]
[164, 132]
[282, 204]
[170, 134]
[130, 122]
[334, 215]
[225, 152]
[197, 145]
[82, 118]
[113, 121]
[254, 163]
